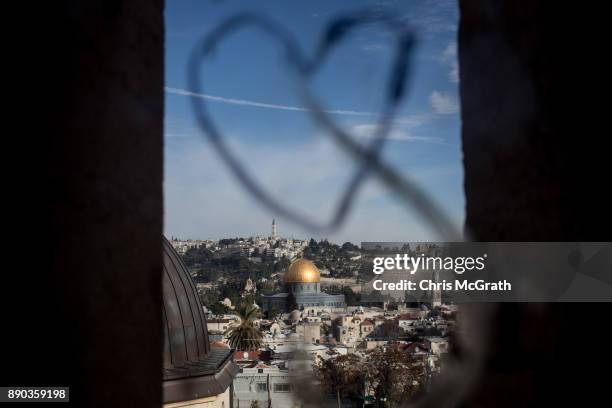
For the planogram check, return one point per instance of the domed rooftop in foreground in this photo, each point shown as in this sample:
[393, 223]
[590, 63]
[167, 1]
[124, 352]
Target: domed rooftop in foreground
[191, 368]
[302, 271]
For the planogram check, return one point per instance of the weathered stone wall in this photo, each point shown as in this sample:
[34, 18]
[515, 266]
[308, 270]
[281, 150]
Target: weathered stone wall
[82, 307]
[535, 161]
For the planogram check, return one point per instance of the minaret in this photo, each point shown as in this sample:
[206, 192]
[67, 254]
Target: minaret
[274, 236]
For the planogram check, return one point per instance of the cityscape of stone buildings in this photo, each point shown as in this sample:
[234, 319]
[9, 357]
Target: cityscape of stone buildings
[266, 376]
[256, 248]
[299, 335]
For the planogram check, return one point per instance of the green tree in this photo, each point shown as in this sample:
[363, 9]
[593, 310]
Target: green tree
[352, 298]
[245, 336]
[394, 375]
[273, 312]
[339, 375]
[307, 253]
[218, 308]
[282, 264]
[349, 246]
[389, 329]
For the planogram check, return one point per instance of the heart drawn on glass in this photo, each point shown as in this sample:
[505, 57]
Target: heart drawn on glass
[304, 68]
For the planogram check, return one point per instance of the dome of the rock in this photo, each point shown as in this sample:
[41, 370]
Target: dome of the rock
[302, 271]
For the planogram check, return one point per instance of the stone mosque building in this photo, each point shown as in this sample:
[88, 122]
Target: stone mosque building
[303, 283]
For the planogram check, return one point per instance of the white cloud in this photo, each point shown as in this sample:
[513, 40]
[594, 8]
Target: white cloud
[434, 17]
[449, 57]
[450, 52]
[202, 199]
[453, 74]
[368, 130]
[443, 103]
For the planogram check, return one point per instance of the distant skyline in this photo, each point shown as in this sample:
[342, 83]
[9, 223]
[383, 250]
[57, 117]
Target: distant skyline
[252, 98]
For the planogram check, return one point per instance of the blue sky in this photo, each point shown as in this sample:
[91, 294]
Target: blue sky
[251, 96]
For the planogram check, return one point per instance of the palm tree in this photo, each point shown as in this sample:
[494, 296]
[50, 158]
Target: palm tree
[245, 336]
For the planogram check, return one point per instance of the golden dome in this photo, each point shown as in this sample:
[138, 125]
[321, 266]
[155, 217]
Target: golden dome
[302, 270]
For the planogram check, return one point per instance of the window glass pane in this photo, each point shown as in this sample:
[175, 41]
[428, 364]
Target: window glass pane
[282, 387]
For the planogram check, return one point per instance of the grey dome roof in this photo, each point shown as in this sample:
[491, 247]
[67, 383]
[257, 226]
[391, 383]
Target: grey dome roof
[191, 369]
[186, 335]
